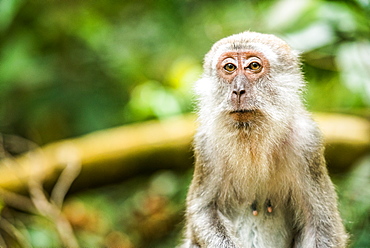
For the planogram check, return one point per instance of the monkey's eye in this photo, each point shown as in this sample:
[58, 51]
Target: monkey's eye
[230, 67]
[254, 66]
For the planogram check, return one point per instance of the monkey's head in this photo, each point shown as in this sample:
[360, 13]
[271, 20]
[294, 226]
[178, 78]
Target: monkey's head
[250, 78]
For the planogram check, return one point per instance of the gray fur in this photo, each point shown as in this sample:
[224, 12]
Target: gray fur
[243, 166]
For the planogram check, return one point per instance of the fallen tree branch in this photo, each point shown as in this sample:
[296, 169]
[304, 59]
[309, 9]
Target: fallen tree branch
[111, 155]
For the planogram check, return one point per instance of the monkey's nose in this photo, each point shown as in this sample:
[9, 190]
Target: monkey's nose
[239, 92]
[239, 85]
[236, 96]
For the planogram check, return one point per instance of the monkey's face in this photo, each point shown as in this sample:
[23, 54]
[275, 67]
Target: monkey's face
[250, 78]
[241, 71]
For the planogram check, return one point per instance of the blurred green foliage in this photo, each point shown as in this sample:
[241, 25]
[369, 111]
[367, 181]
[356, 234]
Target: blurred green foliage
[71, 67]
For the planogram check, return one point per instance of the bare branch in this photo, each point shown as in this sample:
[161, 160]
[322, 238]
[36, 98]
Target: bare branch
[10, 229]
[17, 201]
[69, 156]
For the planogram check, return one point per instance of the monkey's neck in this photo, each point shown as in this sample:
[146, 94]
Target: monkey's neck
[250, 160]
[253, 142]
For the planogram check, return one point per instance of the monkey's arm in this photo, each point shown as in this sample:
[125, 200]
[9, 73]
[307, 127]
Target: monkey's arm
[319, 222]
[206, 225]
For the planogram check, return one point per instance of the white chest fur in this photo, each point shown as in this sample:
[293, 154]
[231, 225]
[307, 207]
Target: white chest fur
[255, 184]
[265, 230]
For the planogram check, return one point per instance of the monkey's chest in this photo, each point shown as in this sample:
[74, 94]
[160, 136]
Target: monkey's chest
[265, 228]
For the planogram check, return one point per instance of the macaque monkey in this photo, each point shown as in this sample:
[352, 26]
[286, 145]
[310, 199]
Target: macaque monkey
[260, 177]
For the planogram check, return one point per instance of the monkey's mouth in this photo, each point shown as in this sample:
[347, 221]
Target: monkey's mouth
[244, 115]
[242, 111]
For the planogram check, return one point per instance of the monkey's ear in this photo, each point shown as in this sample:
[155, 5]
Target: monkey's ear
[203, 86]
[208, 62]
[296, 53]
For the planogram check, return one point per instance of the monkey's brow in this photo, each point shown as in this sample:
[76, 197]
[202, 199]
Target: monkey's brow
[237, 46]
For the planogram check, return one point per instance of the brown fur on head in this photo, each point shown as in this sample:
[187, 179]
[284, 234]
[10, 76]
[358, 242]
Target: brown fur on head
[264, 87]
[258, 41]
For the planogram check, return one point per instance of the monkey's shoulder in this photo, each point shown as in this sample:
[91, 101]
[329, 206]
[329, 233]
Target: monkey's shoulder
[308, 142]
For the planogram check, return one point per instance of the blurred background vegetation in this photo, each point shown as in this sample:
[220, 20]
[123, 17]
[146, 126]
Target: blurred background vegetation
[68, 68]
